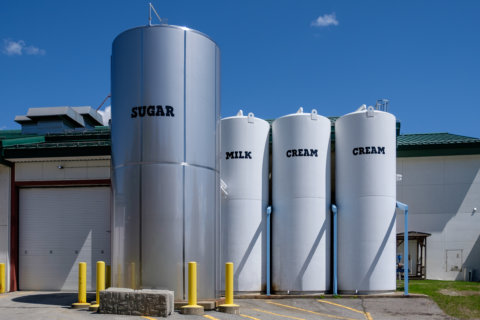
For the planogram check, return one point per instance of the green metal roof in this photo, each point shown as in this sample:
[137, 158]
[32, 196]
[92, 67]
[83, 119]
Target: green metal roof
[436, 144]
[23, 141]
[98, 142]
[87, 143]
[433, 138]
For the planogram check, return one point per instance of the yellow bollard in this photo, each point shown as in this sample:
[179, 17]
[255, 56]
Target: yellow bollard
[133, 282]
[82, 287]
[108, 277]
[229, 283]
[100, 284]
[192, 283]
[3, 281]
[192, 307]
[119, 283]
[229, 306]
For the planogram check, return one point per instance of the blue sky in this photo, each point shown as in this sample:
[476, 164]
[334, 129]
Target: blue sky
[424, 56]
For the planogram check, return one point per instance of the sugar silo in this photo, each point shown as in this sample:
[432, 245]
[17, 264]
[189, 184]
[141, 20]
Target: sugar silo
[301, 200]
[165, 118]
[244, 161]
[365, 152]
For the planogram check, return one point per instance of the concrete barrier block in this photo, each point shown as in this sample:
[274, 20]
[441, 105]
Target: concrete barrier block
[145, 302]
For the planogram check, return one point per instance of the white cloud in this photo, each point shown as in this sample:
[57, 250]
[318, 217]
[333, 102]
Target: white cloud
[12, 48]
[34, 50]
[17, 48]
[325, 21]
[106, 115]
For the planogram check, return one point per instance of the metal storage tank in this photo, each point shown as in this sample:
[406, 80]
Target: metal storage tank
[244, 175]
[301, 201]
[365, 152]
[165, 118]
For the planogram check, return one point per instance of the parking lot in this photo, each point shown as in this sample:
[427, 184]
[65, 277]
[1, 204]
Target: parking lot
[56, 305]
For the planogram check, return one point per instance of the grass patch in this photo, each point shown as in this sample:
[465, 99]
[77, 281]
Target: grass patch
[458, 299]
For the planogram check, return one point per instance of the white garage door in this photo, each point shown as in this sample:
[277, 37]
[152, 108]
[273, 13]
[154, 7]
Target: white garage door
[60, 227]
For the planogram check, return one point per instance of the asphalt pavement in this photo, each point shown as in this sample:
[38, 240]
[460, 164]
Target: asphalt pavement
[30, 305]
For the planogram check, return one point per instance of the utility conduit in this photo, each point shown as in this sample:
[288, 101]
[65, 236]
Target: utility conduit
[269, 218]
[404, 208]
[335, 280]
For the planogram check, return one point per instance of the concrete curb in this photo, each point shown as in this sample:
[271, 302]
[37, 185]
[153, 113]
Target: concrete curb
[229, 308]
[208, 305]
[195, 310]
[329, 296]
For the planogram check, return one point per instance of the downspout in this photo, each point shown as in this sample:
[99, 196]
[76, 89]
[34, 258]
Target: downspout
[334, 211]
[404, 207]
[269, 215]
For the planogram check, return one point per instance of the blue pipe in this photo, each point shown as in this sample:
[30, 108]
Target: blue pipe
[334, 210]
[269, 285]
[404, 207]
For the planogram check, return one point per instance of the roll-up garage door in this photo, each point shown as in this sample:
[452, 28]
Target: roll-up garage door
[60, 227]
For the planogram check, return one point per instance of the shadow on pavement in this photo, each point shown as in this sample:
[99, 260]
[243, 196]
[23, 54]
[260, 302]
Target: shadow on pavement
[58, 298]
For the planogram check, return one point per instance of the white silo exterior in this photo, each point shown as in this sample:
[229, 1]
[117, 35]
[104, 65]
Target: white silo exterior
[244, 174]
[365, 164]
[301, 201]
[165, 118]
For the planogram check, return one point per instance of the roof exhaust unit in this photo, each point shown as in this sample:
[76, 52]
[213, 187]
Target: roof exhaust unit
[165, 118]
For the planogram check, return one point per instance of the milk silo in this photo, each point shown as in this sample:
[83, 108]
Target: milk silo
[301, 200]
[244, 174]
[365, 155]
[165, 118]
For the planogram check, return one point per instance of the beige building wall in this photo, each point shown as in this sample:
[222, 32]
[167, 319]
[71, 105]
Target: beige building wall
[443, 195]
[62, 169]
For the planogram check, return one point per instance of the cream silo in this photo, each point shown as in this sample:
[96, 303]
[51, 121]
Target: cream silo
[365, 164]
[301, 201]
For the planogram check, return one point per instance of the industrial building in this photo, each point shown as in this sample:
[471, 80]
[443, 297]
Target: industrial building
[55, 197]
[170, 182]
[56, 200]
[440, 181]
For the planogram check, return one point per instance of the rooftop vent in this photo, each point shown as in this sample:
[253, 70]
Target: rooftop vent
[59, 120]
